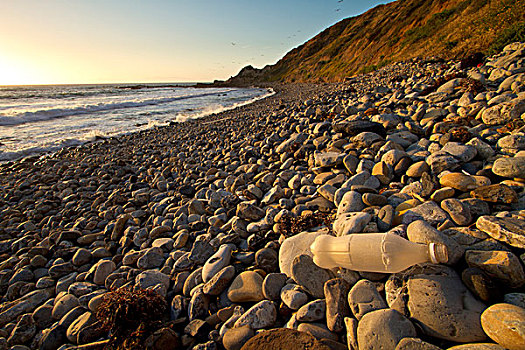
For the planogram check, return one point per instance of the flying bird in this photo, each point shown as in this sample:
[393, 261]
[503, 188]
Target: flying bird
[233, 44]
[339, 1]
[337, 10]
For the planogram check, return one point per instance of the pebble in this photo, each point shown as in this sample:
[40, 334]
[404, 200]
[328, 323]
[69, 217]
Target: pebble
[293, 296]
[312, 311]
[505, 324]
[217, 262]
[309, 276]
[336, 291]
[363, 298]
[261, 315]
[272, 285]
[502, 265]
[383, 329]
[508, 230]
[247, 286]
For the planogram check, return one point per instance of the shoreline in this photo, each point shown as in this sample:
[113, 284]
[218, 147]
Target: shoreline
[208, 214]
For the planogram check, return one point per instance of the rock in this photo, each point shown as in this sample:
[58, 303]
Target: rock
[247, 286]
[318, 330]
[199, 305]
[235, 338]
[348, 223]
[517, 299]
[464, 153]
[372, 199]
[220, 281]
[151, 258]
[164, 338]
[502, 265]
[383, 329]
[82, 256]
[24, 330]
[508, 230]
[152, 278]
[63, 305]
[440, 161]
[250, 212]
[294, 246]
[26, 304]
[267, 259]
[439, 302]
[505, 324]
[272, 285]
[293, 296]
[312, 311]
[480, 284]
[364, 297]
[283, 339]
[261, 315]
[458, 181]
[311, 277]
[477, 346]
[102, 270]
[428, 211]
[385, 218]
[328, 159]
[356, 127]
[497, 193]
[351, 202]
[417, 169]
[459, 212]
[336, 291]
[510, 167]
[53, 337]
[42, 316]
[415, 344]
[217, 262]
[81, 323]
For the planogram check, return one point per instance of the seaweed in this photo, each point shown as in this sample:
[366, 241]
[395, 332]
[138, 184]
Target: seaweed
[131, 316]
[290, 226]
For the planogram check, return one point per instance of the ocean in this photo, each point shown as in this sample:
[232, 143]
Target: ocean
[46, 118]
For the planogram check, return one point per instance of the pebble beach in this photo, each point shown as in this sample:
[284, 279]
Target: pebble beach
[214, 216]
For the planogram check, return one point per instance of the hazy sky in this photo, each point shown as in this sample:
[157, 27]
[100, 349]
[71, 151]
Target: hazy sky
[95, 41]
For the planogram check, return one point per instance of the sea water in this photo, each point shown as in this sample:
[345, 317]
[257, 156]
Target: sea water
[39, 119]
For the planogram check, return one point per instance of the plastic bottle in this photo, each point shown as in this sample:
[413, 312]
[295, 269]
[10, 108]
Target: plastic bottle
[374, 252]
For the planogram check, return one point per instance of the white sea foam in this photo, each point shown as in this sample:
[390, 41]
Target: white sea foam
[36, 120]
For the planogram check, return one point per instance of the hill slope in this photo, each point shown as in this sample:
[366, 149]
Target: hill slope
[394, 32]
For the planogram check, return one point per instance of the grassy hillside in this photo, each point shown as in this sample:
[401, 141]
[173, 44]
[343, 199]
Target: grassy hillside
[394, 32]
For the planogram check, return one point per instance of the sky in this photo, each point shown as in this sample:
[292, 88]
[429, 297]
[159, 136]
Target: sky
[125, 41]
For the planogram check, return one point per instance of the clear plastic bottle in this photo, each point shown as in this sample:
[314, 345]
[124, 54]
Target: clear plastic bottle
[374, 252]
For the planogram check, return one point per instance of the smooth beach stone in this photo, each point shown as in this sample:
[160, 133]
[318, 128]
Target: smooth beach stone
[247, 286]
[385, 218]
[328, 159]
[383, 329]
[459, 212]
[318, 330]
[458, 181]
[417, 169]
[351, 202]
[235, 338]
[502, 265]
[505, 324]
[293, 296]
[383, 172]
[372, 199]
[261, 315]
[349, 223]
[428, 211]
[442, 193]
[517, 299]
[510, 167]
[441, 304]
[284, 339]
[422, 232]
[309, 276]
[355, 127]
[464, 153]
[272, 285]
[415, 344]
[294, 246]
[151, 278]
[217, 262]
[199, 305]
[102, 270]
[364, 297]
[82, 256]
[514, 141]
[497, 193]
[507, 230]
[336, 291]
[218, 283]
[312, 311]
[440, 161]
[63, 305]
[480, 284]
[267, 259]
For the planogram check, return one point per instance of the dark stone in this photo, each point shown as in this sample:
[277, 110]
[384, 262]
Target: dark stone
[355, 127]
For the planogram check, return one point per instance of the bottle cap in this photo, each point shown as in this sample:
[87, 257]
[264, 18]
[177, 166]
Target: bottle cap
[438, 253]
